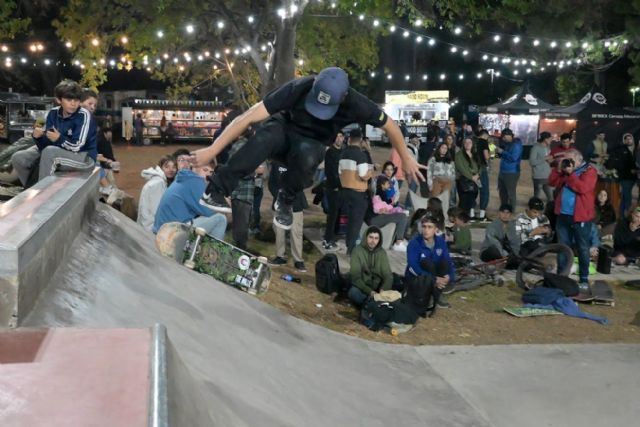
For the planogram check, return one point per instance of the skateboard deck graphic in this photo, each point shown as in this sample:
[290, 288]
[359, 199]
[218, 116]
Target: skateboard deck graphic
[220, 260]
[530, 311]
[602, 293]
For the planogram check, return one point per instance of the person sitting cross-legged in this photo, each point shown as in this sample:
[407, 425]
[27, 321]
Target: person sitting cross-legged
[370, 271]
[428, 255]
[533, 227]
[501, 238]
[626, 239]
[181, 203]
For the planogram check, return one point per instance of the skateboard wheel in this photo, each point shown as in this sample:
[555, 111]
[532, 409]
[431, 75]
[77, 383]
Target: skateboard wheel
[190, 264]
[394, 332]
[201, 231]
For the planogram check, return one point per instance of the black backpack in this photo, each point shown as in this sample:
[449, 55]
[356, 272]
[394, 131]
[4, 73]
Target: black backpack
[566, 284]
[328, 279]
[376, 315]
[420, 296]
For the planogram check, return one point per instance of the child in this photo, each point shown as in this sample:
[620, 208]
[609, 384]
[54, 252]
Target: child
[67, 142]
[382, 204]
[460, 239]
[393, 193]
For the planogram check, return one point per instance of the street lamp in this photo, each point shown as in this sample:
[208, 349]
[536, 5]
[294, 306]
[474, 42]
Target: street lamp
[633, 91]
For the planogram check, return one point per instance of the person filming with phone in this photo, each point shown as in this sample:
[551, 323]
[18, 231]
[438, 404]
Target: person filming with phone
[575, 183]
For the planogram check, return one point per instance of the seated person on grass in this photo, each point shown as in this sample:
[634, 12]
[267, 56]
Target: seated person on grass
[501, 238]
[428, 255]
[533, 227]
[626, 239]
[181, 203]
[370, 271]
[459, 239]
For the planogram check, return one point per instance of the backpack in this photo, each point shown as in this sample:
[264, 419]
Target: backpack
[376, 315]
[328, 279]
[566, 284]
[420, 296]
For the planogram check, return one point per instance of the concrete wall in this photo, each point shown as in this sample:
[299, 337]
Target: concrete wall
[37, 228]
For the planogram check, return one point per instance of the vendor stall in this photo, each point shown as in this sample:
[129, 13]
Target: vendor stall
[180, 120]
[520, 113]
[418, 108]
[18, 115]
[591, 115]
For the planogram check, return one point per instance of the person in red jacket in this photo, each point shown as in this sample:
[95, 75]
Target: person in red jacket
[575, 183]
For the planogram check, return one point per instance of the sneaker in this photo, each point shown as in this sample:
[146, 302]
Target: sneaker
[254, 231]
[299, 266]
[329, 246]
[443, 303]
[584, 288]
[277, 261]
[215, 201]
[283, 217]
[400, 247]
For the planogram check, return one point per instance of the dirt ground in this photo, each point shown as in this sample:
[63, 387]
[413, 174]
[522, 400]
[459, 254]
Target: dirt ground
[476, 317]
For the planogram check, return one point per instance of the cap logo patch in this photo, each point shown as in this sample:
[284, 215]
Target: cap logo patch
[324, 98]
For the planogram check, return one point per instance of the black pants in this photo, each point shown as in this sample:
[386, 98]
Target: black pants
[240, 214]
[275, 140]
[466, 200]
[438, 269]
[333, 200]
[354, 204]
[529, 246]
[493, 253]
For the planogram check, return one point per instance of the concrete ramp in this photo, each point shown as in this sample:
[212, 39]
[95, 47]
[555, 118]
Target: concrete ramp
[252, 365]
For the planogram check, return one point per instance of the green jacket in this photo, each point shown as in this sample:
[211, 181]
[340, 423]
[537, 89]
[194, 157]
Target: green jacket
[370, 269]
[466, 167]
[462, 239]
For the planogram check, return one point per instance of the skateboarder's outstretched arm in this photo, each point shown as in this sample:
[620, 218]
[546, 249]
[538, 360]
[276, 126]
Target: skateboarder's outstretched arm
[255, 114]
[409, 164]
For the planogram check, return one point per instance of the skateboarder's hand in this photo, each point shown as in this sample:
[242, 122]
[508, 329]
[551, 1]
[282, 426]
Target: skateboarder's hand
[201, 157]
[412, 169]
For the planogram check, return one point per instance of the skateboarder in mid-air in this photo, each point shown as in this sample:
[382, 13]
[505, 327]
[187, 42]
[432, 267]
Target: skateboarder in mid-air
[301, 118]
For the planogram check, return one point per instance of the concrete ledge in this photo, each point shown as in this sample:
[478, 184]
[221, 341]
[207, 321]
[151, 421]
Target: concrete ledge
[37, 228]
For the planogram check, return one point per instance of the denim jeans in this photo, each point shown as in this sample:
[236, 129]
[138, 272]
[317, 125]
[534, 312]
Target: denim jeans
[569, 232]
[215, 225]
[484, 190]
[626, 185]
[357, 296]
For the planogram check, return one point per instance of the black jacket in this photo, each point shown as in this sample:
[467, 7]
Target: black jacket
[622, 160]
[625, 241]
[331, 161]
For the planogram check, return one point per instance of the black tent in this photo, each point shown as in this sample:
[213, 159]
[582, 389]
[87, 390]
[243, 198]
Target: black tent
[523, 102]
[593, 115]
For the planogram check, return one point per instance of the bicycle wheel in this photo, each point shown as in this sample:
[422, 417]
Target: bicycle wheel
[530, 273]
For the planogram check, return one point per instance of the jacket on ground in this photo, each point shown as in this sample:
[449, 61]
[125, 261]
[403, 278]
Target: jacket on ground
[181, 201]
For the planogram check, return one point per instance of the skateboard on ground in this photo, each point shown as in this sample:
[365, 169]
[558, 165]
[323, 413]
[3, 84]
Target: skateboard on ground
[602, 293]
[220, 260]
[530, 311]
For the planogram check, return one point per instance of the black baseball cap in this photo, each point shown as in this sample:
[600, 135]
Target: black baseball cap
[506, 132]
[329, 89]
[506, 207]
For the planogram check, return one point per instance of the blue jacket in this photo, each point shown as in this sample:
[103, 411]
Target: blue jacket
[181, 201]
[418, 250]
[511, 157]
[78, 132]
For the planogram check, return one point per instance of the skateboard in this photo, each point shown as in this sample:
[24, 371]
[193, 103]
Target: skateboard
[530, 311]
[602, 293]
[220, 260]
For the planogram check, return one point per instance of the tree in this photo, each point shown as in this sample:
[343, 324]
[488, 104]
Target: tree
[246, 44]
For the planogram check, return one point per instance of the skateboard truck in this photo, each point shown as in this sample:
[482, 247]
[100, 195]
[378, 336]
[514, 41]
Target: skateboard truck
[190, 263]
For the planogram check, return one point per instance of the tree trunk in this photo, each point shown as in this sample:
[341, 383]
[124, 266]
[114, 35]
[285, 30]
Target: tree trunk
[283, 58]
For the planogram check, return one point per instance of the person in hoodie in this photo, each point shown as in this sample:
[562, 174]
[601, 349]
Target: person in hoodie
[428, 255]
[370, 271]
[181, 203]
[67, 141]
[510, 151]
[158, 179]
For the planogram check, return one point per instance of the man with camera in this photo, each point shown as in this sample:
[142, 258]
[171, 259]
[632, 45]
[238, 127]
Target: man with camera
[575, 182]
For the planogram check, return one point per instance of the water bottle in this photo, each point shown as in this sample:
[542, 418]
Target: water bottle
[290, 278]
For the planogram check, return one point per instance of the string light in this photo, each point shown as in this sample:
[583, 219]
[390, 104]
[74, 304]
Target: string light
[457, 31]
[190, 29]
[160, 34]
